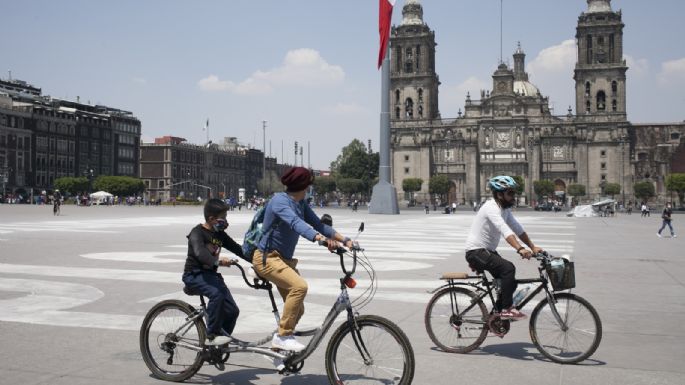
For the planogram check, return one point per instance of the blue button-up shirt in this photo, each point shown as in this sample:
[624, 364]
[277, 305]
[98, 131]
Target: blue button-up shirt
[295, 219]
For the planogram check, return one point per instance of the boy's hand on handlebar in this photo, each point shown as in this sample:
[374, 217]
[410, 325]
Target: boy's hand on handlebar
[225, 261]
[538, 250]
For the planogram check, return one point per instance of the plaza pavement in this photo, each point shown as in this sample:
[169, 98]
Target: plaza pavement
[74, 290]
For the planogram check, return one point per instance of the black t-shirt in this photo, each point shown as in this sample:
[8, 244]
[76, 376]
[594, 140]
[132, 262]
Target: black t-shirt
[204, 247]
[666, 215]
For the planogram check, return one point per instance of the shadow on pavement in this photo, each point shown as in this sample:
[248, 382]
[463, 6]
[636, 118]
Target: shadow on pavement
[525, 351]
[242, 375]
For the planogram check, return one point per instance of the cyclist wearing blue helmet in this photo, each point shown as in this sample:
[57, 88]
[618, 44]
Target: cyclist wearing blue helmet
[494, 219]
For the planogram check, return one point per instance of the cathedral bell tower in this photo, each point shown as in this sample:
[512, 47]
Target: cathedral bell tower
[600, 72]
[413, 81]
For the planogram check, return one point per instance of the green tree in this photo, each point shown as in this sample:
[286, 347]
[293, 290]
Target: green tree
[576, 190]
[676, 183]
[543, 188]
[644, 190]
[612, 189]
[119, 185]
[412, 184]
[71, 184]
[349, 186]
[355, 162]
[324, 184]
[440, 185]
[521, 184]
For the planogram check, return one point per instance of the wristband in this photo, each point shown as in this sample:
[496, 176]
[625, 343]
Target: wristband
[519, 249]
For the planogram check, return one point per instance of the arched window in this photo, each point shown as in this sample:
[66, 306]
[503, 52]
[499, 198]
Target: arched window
[601, 101]
[587, 88]
[420, 95]
[408, 108]
[614, 87]
[587, 106]
[397, 112]
[397, 96]
[614, 105]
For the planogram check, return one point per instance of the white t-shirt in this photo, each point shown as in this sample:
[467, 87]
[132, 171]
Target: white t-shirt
[490, 223]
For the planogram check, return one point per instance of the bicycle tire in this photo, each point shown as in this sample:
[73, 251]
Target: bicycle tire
[345, 366]
[163, 334]
[445, 328]
[570, 307]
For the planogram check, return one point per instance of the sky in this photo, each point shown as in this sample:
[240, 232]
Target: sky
[308, 67]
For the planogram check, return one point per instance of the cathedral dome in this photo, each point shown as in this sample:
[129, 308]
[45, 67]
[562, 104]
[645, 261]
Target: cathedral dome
[598, 6]
[412, 13]
[525, 88]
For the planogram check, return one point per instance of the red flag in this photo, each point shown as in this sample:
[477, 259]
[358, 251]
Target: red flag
[384, 18]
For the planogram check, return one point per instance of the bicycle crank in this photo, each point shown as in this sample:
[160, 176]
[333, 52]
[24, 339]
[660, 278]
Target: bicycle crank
[498, 326]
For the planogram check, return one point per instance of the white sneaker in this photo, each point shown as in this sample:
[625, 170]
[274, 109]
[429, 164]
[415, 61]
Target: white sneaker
[286, 343]
[218, 340]
[675, 236]
[658, 235]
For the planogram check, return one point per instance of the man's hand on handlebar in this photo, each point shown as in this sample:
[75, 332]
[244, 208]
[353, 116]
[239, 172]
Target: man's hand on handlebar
[525, 253]
[332, 244]
[537, 250]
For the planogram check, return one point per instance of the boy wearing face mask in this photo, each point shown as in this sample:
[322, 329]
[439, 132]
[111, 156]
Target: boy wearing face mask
[200, 273]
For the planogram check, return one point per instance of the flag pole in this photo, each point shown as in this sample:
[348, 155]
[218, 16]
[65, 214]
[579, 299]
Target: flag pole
[384, 195]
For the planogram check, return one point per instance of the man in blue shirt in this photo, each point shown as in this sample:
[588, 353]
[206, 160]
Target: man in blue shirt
[288, 217]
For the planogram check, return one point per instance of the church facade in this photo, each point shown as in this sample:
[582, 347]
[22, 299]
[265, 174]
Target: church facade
[510, 128]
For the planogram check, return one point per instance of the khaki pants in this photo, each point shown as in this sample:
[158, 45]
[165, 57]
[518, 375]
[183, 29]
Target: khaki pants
[282, 273]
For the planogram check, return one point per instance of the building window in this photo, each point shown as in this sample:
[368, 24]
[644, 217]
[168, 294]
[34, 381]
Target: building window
[587, 106]
[406, 170]
[409, 108]
[406, 158]
[603, 166]
[675, 135]
[614, 105]
[604, 177]
[397, 96]
[397, 112]
[418, 56]
[587, 89]
[603, 153]
[160, 184]
[601, 101]
[614, 87]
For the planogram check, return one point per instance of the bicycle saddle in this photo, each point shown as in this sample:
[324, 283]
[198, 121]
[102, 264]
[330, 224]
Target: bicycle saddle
[454, 276]
[190, 291]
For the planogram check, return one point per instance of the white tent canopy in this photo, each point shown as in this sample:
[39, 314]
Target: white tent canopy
[100, 195]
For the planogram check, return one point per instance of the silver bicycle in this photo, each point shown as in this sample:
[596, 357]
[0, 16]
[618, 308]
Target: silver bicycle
[364, 349]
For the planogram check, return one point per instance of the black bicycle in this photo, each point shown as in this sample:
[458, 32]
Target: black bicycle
[365, 349]
[563, 326]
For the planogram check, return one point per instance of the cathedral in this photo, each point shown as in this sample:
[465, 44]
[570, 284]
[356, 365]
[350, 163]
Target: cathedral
[510, 128]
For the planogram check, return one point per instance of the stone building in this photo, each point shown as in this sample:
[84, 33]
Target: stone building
[172, 168]
[43, 138]
[510, 129]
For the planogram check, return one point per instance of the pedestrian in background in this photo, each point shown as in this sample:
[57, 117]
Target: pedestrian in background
[666, 220]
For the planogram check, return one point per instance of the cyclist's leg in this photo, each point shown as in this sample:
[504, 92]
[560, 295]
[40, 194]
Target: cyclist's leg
[230, 308]
[292, 287]
[506, 272]
[211, 286]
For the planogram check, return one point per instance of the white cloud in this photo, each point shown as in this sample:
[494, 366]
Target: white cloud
[637, 67]
[559, 58]
[302, 67]
[472, 85]
[344, 109]
[672, 72]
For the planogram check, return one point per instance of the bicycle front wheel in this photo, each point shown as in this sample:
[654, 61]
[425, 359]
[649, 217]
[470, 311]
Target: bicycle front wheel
[573, 342]
[455, 322]
[377, 353]
[170, 343]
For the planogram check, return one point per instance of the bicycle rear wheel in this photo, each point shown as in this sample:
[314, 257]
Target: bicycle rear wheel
[450, 325]
[583, 329]
[163, 334]
[389, 355]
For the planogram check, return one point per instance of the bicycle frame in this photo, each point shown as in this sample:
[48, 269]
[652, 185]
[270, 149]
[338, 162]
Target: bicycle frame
[290, 359]
[485, 287]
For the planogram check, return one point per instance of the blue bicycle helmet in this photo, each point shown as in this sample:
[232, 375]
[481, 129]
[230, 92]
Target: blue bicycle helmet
[502, 182]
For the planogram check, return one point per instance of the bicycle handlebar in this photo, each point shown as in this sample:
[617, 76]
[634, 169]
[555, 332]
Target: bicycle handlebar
[341, 251]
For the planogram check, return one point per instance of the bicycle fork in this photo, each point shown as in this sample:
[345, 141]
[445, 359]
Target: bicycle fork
[357, 337]
[553, 306]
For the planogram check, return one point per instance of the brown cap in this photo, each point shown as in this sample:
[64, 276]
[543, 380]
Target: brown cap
[297, 178]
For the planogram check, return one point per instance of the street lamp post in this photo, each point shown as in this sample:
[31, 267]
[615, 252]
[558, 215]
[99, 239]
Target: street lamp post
[264, 158]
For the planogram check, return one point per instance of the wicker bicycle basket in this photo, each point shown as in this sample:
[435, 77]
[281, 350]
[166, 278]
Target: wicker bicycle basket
[561, 275]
